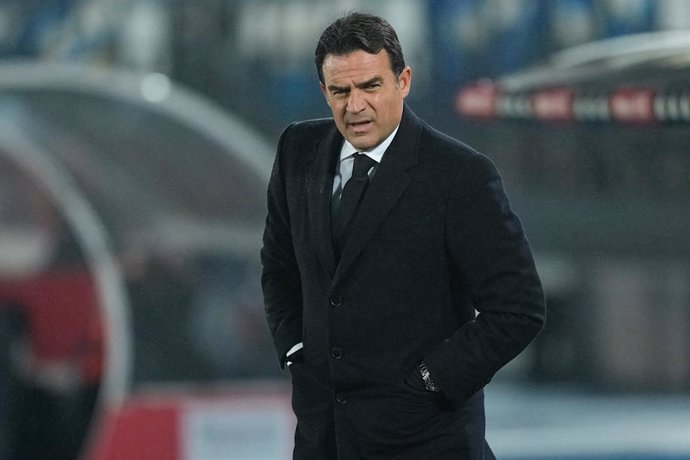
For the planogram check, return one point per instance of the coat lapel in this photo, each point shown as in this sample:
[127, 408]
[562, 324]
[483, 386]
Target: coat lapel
[386, 188]
[319, 191]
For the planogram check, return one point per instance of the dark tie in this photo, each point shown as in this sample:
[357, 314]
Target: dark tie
[351, 197]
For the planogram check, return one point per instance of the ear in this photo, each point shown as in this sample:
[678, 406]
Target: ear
[405, 80]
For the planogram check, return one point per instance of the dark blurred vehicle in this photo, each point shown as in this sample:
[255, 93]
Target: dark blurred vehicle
[131, 214]
[594, 147]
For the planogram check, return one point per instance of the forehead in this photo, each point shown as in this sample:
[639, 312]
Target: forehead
[355, 66]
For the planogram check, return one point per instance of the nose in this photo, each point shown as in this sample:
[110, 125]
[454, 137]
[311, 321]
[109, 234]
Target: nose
[355, 101]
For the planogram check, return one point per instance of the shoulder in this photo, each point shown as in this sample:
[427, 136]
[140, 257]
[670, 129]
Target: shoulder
[452, 154]
[300, 142]
[307, 131]
[433, 145]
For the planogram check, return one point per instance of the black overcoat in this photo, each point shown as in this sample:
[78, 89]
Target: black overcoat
[434, 243]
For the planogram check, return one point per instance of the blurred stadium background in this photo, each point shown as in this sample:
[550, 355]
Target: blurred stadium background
[136, 138]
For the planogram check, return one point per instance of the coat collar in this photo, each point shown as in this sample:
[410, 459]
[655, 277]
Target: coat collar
[387, 186]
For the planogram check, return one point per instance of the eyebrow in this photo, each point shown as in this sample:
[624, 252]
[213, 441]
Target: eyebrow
[364, 84]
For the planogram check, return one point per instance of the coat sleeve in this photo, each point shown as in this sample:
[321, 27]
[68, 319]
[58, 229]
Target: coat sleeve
[492, 257]
[280, 279]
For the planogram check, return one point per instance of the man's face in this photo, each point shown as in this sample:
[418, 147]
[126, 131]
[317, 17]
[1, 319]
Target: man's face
[364, 95]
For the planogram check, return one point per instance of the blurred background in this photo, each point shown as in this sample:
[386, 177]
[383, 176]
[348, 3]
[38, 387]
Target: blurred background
[136, 140]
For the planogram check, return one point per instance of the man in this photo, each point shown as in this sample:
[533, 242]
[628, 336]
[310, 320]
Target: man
[375, 314]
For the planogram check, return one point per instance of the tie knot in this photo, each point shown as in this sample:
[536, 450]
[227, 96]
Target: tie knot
[362, 165]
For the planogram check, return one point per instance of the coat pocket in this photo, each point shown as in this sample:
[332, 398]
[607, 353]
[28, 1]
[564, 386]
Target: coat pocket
[405, 415]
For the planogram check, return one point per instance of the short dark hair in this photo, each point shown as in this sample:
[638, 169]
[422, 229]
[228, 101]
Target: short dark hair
[359, 31]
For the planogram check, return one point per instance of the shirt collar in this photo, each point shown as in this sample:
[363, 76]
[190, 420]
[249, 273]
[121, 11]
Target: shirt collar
[375, 154]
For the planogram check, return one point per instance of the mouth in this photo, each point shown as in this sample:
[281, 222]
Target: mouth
[359, 125]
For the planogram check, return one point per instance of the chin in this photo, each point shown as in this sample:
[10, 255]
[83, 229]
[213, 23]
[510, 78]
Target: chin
[361, 144]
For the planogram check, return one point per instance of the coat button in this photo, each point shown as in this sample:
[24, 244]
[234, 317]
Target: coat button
[336, 300]
[336, 353]
[341, 398]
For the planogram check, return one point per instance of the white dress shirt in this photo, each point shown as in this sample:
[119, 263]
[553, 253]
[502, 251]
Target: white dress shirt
[347, 162]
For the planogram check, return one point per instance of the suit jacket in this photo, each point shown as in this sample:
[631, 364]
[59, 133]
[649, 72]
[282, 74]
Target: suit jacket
[433, 240]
